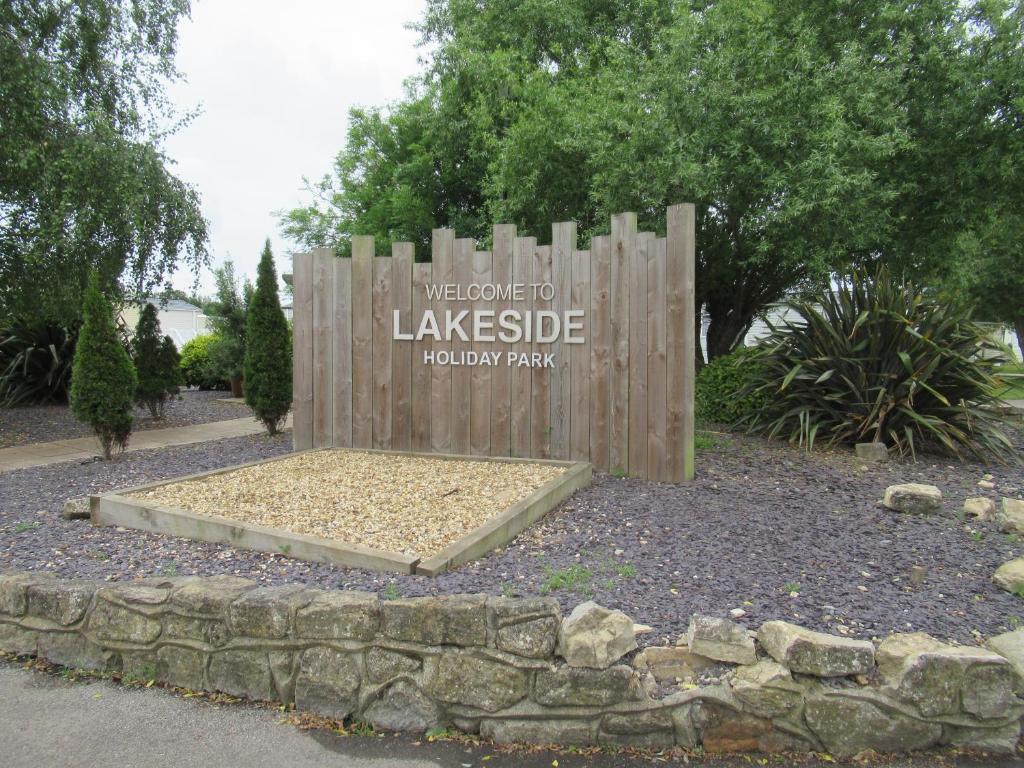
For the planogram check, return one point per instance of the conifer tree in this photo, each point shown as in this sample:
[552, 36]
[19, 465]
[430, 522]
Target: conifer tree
[170, 367]
[151, 386]
[268, 350]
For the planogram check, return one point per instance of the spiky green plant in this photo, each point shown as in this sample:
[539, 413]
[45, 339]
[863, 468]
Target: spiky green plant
[35, 362]
[877, 360]
[268, 350]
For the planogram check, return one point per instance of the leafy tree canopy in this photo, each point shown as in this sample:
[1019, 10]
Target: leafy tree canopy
[83, 183]
[813, 137]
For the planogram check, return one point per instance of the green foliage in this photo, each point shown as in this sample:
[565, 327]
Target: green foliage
[268, 350]
[811, 136]
[103, 377]
[721, 389]
[878, 361]
[153, 387]
[170, 367]
[227, 313]
[197, 367]
[571, 578]
[85, 185]
[35, 362]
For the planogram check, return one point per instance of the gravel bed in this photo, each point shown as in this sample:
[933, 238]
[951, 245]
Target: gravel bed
[43, 423]
[408, 504]
[764, 528]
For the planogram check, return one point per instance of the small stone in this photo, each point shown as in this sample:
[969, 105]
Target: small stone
[815, 653]
[1010, 517]
[76, 509]
[669, 664]
[547, 731]
[720, 639]
[737, 613]
[988, 485]
[642, 629]
[980, 507]
[876, 452]
[913, 498]
[1010, 645]
[596, 637]
[917, 574]
[766, 688]
[1010, 576]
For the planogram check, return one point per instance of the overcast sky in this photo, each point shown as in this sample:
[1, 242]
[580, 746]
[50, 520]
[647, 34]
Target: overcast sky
[275, 82]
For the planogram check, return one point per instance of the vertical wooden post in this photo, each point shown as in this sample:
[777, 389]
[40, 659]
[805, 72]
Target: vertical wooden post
[600, 350]
[441, 375]
[579, 421]
[421, 373]
[401, 351]
[522, 375]
[680, 353]
[480, 388]
[540, 404]
[657, 376]
[302, 357]
[342, 394]
[644, 243]
[501, 376]
[563, 243]
[323, 352]
[623, 243]
[381, 333]
[462, 376]
[362, 341]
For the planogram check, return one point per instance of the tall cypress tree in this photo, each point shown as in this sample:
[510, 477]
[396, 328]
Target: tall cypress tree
[170, 367]
[268, 350]
[102, 376]
[151, 387]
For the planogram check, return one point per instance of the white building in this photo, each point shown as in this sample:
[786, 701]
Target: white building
[178, 319]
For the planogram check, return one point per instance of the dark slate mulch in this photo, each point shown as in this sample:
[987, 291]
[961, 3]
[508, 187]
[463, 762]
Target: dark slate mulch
[761, 521]
[43, 423]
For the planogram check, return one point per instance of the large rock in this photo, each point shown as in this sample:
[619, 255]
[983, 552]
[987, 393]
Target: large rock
[574, 686]
[596, 637]
[721, 640]
[448, 620]
[525, 626]
[76, 509]
[847, 725]
[980, 507]
[383, 665]
[14, 588]
[328, 682]
[209, 596]
[767, 689]
[546, 731]
[339, 616]
[242, 673]
[914, 498]
[108, 621]
[668, 664]
[1010, 576]
[939, 679]
[1010, 645]
[266, 612]
[815, 653]
[403, 707]
[63, 602]
[182, 667]
[462, 678]
[1001, 739]
[652, 729]
[1010, 517]
[726, 730]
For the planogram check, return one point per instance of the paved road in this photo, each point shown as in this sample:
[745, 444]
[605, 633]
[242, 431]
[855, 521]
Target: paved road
[49, 722]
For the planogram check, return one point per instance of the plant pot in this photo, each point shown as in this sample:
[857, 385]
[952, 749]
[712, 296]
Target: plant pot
[236, 387]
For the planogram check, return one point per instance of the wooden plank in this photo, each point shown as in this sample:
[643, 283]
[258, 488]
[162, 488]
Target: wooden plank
[579, 421]
[383, 303]
[501, 375]
[342, 411]
[441, 375]
[421, 373]
[563, 243]
[638, 354]
[540, 402]
[600, 351]
[522, 375]
[302, 356]
[480, 391]
[656, 363]
[623, 244]
[323, 351]
[362, 341]
[462, 375]
[680, 327]
[401, 351]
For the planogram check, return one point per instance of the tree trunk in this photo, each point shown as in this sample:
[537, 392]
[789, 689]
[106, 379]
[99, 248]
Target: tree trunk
[724, 333]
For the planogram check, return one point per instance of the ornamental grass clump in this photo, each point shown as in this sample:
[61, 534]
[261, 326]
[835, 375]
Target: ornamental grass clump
[878, 361]
[102, 377]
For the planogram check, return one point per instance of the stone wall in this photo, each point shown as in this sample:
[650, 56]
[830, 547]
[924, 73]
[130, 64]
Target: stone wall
[512, 670]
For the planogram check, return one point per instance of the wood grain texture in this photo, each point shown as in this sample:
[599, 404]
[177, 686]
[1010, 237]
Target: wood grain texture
[342, 395]
[421, 373]
[302, 359]
[563, 244]
[657, 370]
[323, 348]
[401, 351]
[600, 350]
[680, 349]
[462, 375]
[522, 376]
[644, 242]
[501, 375]
[689, 336]
[441, 375]
[540, 404]
[480, 389]
[382, 369]
[362, 341]
[623, 244]
[579, 420]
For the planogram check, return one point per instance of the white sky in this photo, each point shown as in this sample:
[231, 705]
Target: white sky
[275, 82]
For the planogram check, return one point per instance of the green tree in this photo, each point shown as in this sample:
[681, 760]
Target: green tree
[227, 313]
[102, 377]
[84, 185]
[170, 367]
[151, 378]
[812, 137]
[268, 350]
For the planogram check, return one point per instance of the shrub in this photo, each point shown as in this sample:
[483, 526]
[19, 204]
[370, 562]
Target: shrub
[151, 389]
[103, 377]
[268, 350]
[227, 313]
[719, 385]
[35, 362]
[877, 360]
[197, 368]
[170, 367]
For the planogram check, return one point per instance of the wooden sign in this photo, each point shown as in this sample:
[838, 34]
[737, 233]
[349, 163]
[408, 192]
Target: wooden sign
[534, 351]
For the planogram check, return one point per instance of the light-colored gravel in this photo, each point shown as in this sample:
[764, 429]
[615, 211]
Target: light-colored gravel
[414, 505]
